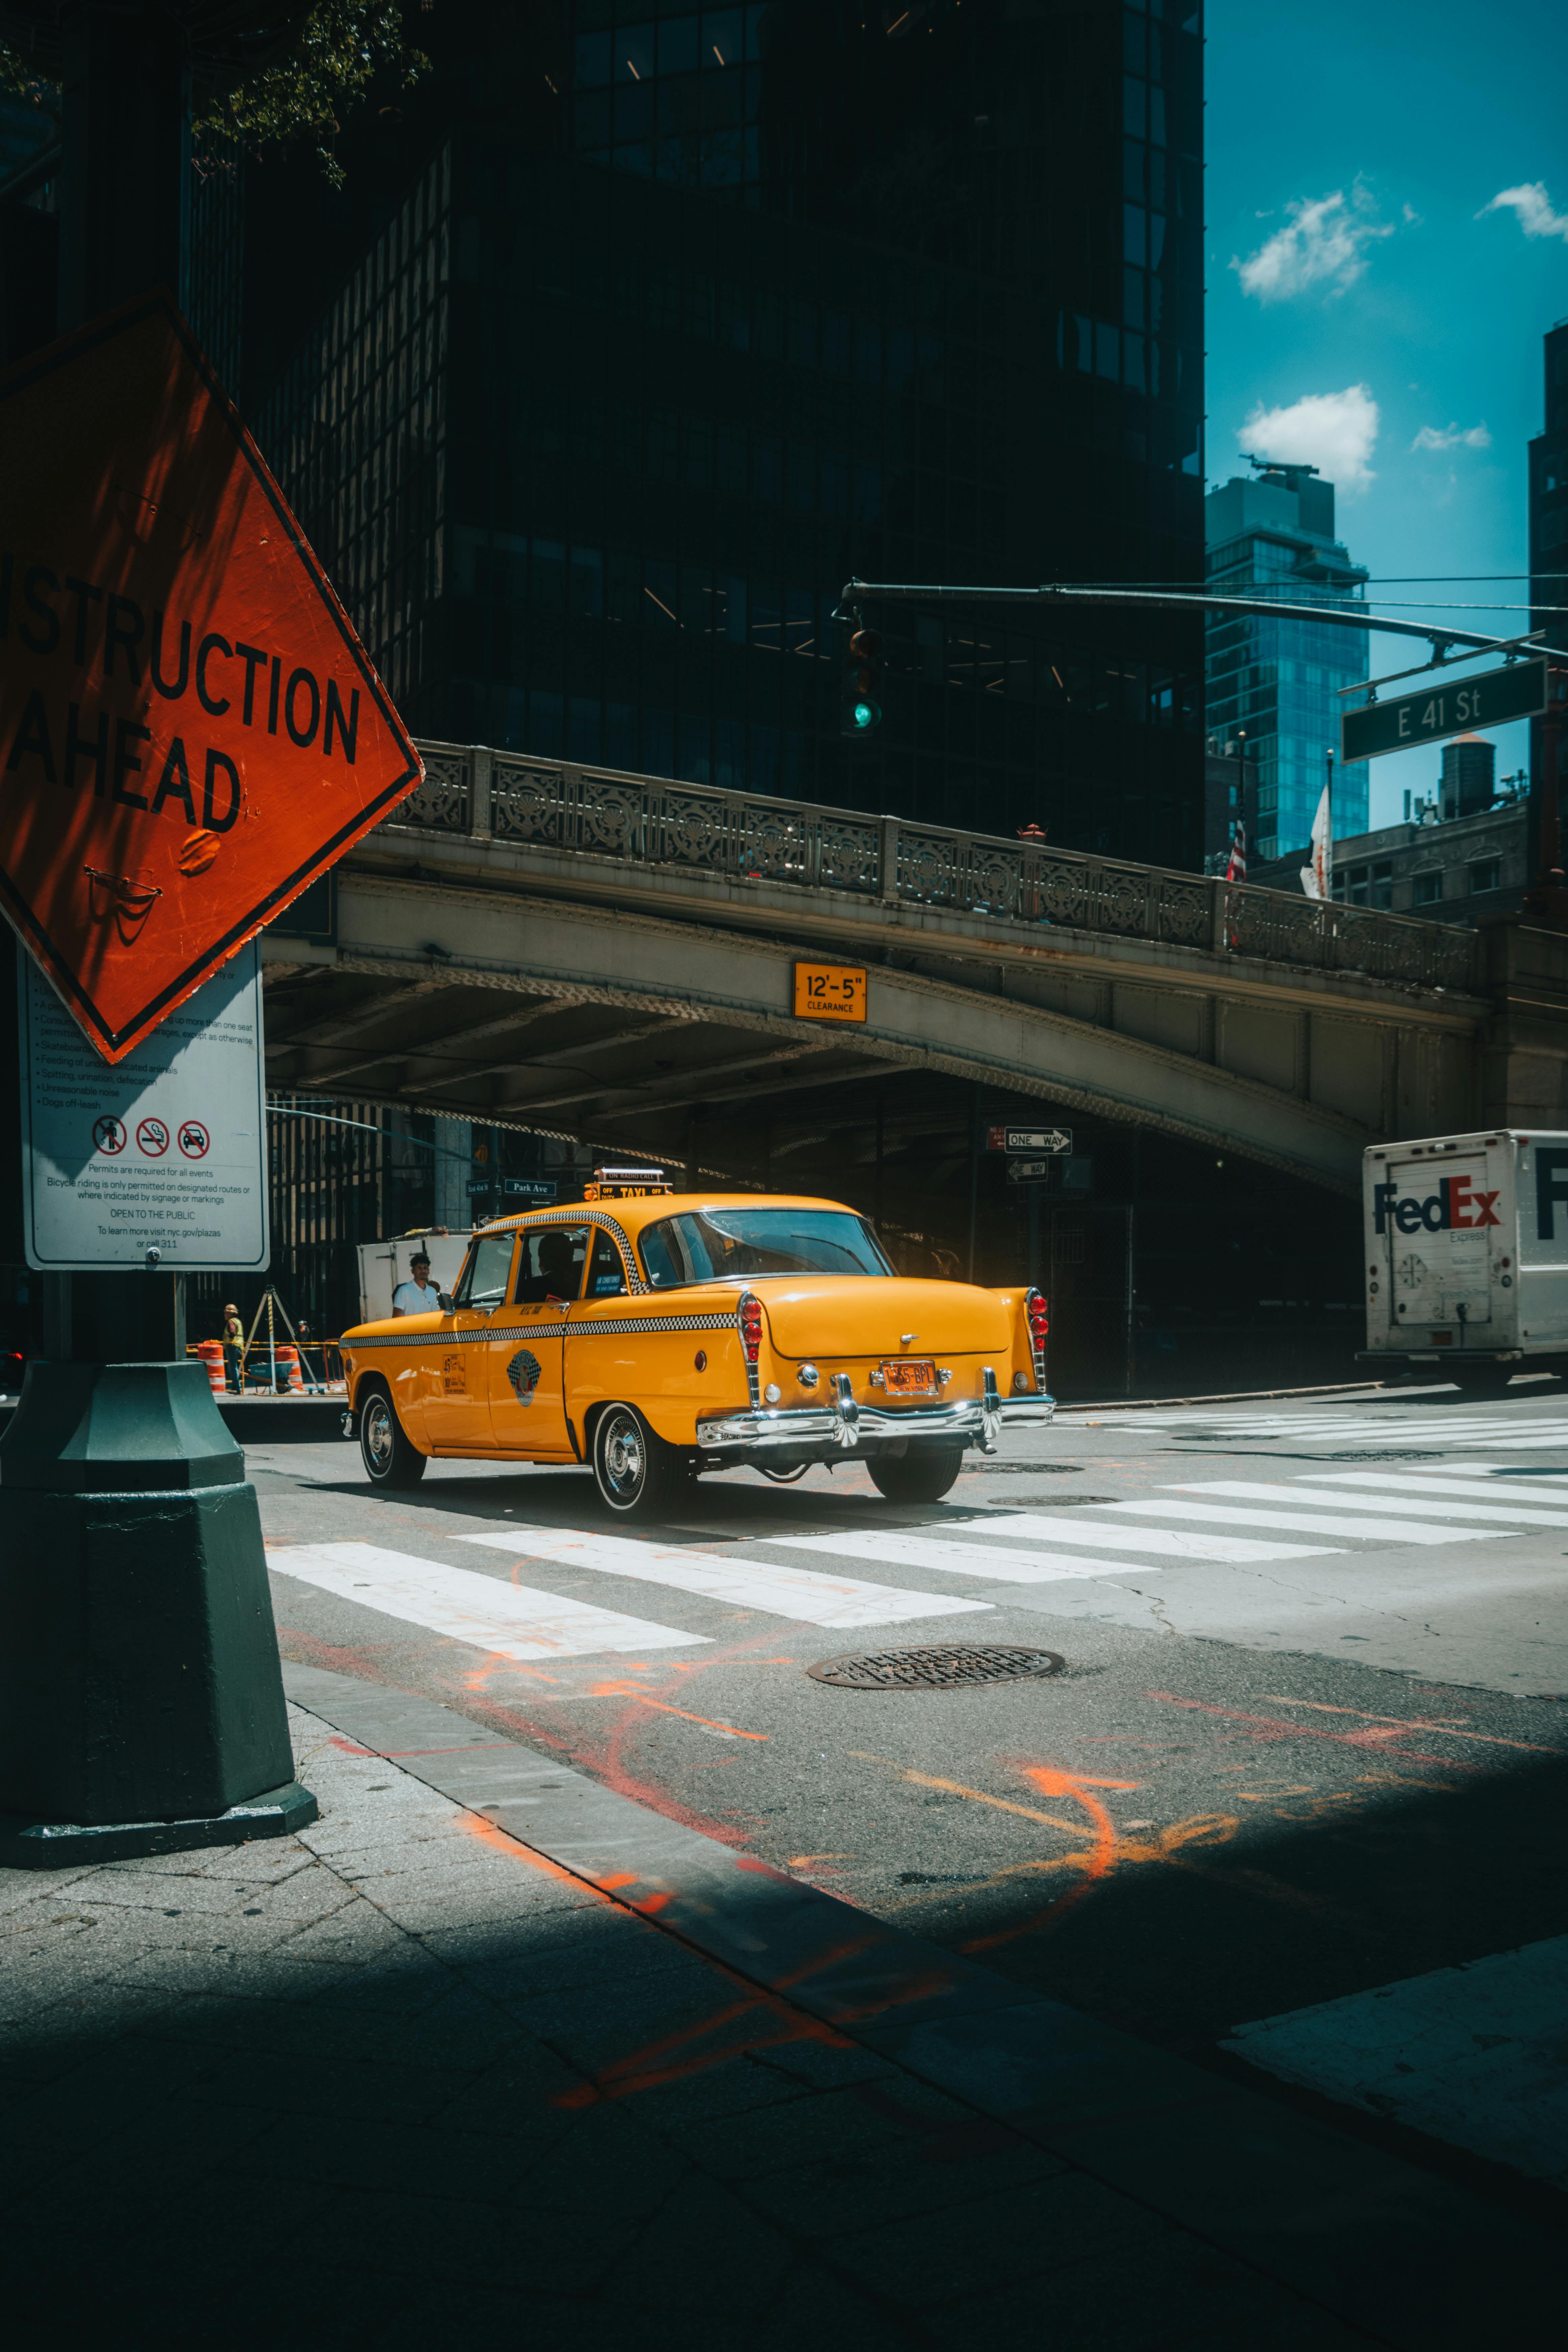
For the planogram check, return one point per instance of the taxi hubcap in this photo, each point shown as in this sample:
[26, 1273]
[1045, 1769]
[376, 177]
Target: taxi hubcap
[378, 1435]
[622, 1452]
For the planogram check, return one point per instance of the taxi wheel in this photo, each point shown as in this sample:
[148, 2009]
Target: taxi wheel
[637, 1475]
[923, 1474]
[389, 1459]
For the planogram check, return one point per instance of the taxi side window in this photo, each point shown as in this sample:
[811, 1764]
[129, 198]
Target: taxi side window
[483, 1281]
[606, 1275]
[549, 1264]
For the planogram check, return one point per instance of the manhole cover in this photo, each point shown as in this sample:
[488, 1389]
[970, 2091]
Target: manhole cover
[1028, 1469]
[1064, 1502]
[948, 1665]
[1397, 1454]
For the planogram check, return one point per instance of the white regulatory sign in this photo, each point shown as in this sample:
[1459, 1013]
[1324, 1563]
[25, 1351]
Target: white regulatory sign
[165, 1149]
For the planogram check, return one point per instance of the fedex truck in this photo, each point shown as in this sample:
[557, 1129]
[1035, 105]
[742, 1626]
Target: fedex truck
[1466, 1255]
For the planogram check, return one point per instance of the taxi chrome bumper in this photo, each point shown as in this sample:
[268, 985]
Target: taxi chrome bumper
[842, 1423]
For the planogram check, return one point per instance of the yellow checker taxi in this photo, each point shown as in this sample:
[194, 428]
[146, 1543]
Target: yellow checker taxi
[656, 1334]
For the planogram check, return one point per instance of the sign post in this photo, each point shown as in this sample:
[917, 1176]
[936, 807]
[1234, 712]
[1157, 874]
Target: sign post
[191, 734]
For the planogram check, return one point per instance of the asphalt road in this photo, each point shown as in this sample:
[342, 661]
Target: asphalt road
[1307, 1739]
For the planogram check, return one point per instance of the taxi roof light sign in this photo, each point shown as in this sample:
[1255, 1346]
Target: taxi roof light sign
[626, 1184]
[190, 733]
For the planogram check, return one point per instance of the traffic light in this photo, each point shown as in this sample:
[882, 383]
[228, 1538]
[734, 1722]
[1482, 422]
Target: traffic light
[862, 681]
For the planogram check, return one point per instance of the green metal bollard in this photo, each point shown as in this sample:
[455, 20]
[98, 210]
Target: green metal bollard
[140, 1697]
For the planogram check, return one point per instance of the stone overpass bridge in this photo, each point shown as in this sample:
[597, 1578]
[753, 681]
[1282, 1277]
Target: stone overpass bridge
[546, 946]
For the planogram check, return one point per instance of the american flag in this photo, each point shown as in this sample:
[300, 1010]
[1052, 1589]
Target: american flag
[1236, 870]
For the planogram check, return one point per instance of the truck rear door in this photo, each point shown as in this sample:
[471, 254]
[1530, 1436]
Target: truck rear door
[1437, 1218]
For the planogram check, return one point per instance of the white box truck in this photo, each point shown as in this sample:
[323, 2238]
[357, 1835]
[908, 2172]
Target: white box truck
[383, 1264]
[1466, 1255]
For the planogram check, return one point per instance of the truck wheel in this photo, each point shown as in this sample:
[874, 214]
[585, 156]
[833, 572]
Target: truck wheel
[390, 1460]
[639, 1476]
[923, 1474]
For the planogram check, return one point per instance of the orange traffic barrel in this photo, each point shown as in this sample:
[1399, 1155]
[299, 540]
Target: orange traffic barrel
[211, 1353]
[289, 1364]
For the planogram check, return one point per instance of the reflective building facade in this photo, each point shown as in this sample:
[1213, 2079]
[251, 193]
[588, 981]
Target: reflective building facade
[1274, 684]
[650, 327]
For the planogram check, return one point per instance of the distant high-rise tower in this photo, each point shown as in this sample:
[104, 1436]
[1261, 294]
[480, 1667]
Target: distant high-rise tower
[1469, 777]
[1274, 532]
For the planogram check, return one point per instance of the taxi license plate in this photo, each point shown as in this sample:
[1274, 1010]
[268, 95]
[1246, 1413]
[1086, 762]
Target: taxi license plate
[904, 1377]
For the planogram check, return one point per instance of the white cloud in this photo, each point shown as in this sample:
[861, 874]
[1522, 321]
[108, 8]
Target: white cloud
[1434, 436]
[1335, 431]
[1533, 207]
[1325, 242]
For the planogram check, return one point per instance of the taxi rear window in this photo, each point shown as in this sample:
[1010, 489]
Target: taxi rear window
[701, 1245]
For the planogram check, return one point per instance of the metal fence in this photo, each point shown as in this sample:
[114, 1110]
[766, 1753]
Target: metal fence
[648, 821]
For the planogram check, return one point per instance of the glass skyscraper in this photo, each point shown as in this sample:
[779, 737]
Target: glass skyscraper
[1276, 682]
[656, 325]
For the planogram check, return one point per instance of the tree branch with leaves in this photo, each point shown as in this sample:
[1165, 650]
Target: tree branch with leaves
[260, 83]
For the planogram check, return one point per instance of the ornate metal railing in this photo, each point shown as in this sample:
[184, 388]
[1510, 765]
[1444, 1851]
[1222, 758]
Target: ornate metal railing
[747, 838]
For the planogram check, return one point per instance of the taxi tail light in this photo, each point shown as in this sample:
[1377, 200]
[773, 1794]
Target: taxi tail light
[1036, 1314]
[751, 1327]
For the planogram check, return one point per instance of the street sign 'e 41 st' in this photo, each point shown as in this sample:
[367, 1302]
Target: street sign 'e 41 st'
[1454, 708]
[190, 731]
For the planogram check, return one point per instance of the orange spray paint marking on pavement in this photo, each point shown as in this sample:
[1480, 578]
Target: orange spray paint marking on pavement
[630, 1690]
[499, 1842]
[1398, 1723]
[1273, 1726]
[1096, 1864]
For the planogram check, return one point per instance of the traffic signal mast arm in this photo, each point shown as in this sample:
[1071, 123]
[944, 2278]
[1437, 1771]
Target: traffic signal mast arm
[1439, 636]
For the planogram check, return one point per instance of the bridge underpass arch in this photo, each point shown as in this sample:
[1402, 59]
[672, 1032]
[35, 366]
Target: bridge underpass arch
[513, 1010]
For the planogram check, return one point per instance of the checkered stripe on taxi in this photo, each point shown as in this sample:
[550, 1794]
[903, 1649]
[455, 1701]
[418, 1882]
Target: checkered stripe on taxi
[467, 1337]
[607, 1326]
[599, 1327]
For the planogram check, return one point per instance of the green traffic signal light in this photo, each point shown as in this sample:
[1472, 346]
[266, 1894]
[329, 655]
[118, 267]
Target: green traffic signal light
[862, 710]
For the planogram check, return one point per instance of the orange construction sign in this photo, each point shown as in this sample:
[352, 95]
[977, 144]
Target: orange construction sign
[190, 731]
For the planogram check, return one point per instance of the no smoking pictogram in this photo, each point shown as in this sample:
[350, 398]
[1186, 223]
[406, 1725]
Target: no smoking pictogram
[109, 1135]
[194, 1141]
[152, 1137]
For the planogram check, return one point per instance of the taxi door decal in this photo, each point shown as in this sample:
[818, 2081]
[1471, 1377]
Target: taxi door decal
[523, 1372]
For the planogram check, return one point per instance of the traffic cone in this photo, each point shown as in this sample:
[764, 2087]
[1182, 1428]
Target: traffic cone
[289, 1364]
[140, 1696]
[211, 1353]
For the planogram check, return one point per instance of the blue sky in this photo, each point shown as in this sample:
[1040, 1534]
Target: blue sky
[1351, 146]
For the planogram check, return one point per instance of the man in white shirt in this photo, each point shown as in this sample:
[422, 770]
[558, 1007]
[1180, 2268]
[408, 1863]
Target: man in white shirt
[418, 1295]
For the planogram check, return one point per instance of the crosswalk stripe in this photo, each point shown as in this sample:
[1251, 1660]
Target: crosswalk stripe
[997, 1563]
[1426, 1507]
[899, 1547]
[1555, 1438]
[511, 1621]
[1315, 1522]
[1094, 1531]
[802, 1594]
[1435, 1493]
[1467, 1428]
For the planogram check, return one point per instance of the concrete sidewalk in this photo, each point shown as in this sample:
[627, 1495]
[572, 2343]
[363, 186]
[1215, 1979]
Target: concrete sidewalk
[492, 2046]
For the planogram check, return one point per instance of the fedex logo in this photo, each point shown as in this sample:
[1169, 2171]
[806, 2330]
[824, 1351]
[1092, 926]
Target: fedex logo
[1454, 1207]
